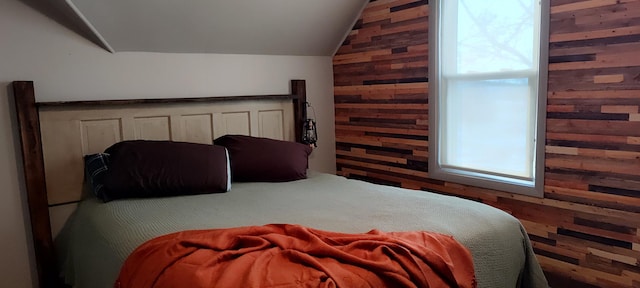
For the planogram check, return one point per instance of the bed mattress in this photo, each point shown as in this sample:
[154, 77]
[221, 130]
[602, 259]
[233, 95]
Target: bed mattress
[99, 236]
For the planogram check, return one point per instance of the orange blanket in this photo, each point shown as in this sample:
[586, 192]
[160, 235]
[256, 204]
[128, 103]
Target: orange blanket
[295, 256]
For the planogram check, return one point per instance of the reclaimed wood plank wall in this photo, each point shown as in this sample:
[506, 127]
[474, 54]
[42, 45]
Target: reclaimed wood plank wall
[586, 229]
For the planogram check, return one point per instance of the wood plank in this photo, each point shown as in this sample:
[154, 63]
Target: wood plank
[587, 137]
[596, 165]
[408, 14]
[619, 109]
[614, 94]
[620, 258]
[362, 154]
[398, 131]
[562, 150]
[582, 5]
[383, 167]
[599, 79]
[380, 141]
[359, 57]
[598, 63]
[594, 127]
[382, 106]
[604, 33]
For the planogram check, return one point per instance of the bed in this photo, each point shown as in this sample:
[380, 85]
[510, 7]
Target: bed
[95, 236]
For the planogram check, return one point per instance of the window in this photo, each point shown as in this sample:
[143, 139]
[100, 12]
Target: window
[488, 93]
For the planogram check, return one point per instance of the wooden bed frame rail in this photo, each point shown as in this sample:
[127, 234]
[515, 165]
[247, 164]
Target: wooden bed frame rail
[27, 111]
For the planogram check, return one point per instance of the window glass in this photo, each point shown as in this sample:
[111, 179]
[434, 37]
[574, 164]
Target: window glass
[486, 117]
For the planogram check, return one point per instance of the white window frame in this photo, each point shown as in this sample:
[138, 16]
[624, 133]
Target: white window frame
[531, 187]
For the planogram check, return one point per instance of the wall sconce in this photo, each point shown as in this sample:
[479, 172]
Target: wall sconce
[309, 131]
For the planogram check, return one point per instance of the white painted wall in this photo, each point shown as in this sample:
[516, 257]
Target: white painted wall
[65, 66]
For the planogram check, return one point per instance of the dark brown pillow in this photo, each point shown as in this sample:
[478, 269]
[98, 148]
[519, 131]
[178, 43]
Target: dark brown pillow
[164, 168]
[256, 159]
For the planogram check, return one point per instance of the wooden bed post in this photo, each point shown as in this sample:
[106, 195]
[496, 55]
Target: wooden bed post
[299, 89]
[32, 157]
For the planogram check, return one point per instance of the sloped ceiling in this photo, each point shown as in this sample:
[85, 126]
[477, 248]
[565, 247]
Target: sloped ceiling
[278, 27]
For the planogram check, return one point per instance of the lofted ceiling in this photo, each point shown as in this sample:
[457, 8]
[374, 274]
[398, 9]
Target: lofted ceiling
[276, 27]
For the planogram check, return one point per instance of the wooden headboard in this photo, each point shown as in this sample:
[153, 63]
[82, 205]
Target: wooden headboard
[55, 135]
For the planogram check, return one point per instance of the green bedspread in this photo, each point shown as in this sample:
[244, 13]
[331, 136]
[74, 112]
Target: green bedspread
[99, 236]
